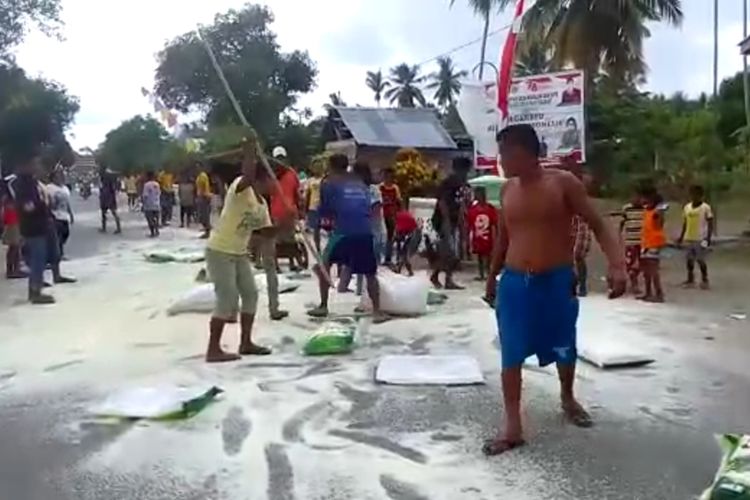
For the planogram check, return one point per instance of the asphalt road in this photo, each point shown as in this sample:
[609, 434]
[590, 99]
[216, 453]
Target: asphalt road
[653, 438]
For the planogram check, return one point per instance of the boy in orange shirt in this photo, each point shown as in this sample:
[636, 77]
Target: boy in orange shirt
[653, 240]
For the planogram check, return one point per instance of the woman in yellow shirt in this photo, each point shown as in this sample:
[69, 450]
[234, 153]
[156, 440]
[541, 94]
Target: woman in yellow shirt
[203, 200]
[228, 265]
[312, 203]
[166, 182]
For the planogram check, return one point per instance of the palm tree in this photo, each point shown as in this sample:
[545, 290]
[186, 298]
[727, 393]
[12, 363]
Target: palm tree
[403, 86]
[599, 35]
[484, 8]
[336, 99]
[533, 58]
[377, 84]
[446, 82]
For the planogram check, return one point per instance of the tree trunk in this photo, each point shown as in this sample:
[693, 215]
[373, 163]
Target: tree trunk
[484, 45]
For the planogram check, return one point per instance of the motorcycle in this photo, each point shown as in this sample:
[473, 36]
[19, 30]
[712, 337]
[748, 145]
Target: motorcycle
[85, 191]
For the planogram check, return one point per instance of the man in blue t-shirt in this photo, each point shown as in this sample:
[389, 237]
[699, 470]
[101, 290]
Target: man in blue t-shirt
[345, 199]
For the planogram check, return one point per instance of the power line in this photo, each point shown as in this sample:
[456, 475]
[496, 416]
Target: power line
[463, 46]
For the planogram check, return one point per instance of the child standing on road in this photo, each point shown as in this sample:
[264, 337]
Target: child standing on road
[630, 228]
[152, 203]
[11, 236]
[653, 240]
[482, 224]
[406, 240]
[697, 228]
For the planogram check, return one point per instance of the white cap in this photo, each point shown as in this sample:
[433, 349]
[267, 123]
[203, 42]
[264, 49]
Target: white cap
[279, 152]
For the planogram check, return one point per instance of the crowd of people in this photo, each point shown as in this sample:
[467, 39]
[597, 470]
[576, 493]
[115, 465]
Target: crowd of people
[36, 225]
[540, 239]
[158, 194]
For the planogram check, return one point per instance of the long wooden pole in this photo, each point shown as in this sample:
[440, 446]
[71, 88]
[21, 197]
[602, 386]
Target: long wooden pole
[277, 186]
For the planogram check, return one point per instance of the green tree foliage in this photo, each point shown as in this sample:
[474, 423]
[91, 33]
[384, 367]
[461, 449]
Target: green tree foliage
[17, 15]
[484, 9]
[635, 136]
[446, 82]
[137, 144]
[34, 113]
[265, 80]
[377, 84]
[533, 57]
[404, 86]
[595, 35]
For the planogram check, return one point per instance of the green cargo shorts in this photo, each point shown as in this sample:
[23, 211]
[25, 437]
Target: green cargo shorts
[233, 279]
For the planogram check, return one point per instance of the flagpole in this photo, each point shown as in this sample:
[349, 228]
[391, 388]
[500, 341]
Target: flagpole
[505, 76]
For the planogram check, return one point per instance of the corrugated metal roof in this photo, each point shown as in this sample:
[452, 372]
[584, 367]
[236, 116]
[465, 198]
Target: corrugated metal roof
[396, 127]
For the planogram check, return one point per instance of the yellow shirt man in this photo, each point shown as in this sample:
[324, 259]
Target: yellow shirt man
[202, 185]
[243, 213]
[697, 221]
[166, 182]
[313, 194]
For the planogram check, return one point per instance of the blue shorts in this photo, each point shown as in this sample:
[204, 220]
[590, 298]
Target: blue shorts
[536, 315]
[355, 251]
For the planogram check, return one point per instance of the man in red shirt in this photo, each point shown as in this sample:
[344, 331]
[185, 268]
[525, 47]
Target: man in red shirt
[406, 238]
[284, 209]
[11, 235]
[482, 220]
[391, 201]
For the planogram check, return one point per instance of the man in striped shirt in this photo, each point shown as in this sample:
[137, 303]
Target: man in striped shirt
[630, 228]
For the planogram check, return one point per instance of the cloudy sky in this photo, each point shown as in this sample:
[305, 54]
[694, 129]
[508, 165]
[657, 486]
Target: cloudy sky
[109, 49]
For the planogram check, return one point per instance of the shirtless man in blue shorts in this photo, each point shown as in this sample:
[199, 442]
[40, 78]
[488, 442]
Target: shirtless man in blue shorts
[535, 299]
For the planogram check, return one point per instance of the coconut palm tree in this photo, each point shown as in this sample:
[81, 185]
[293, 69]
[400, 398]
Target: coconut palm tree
[336, 99]
[377, 84]
[446, 82]
[533, 58]
[484, 9]
[404, 88]
[598, 36]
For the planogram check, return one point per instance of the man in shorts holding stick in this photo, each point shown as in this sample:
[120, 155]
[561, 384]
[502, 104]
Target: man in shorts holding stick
[536, 305]
[228, 265]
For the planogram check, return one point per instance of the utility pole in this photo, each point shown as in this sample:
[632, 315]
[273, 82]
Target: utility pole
[716, 48]
[746, 77]
[746, 82]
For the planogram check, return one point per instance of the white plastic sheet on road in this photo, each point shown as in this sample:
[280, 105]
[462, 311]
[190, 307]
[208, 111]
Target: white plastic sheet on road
[606, 341]
[429, 370]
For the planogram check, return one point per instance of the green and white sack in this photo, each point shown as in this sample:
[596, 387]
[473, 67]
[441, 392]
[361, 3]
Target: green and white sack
[733, 478]
[333, 337]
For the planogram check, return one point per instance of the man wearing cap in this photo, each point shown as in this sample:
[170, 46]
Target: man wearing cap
[284, 208]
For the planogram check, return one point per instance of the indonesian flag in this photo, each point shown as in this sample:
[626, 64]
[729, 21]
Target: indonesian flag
[507, 61]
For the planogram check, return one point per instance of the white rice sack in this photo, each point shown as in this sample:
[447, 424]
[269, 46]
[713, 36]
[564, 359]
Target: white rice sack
[285, 284]
[401, 295]
[201, 298]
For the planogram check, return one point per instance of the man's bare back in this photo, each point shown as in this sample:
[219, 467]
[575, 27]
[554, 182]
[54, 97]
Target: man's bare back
[537, 219]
